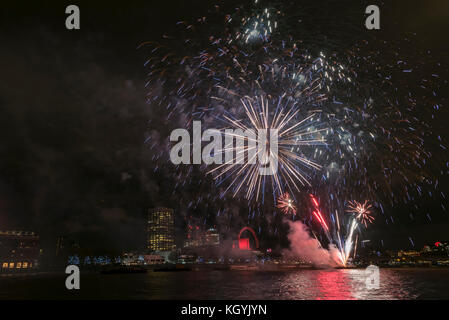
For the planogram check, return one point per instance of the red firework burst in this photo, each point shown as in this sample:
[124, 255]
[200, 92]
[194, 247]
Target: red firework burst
[286, 204]
[362, 212]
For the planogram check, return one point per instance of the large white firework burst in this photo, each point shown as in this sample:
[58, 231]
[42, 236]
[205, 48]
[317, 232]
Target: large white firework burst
[294, 135]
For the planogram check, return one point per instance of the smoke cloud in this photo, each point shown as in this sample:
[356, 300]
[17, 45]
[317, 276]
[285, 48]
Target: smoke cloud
[303, 246]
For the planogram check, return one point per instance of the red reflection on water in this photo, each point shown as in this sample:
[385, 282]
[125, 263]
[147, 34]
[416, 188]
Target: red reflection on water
[334, 285]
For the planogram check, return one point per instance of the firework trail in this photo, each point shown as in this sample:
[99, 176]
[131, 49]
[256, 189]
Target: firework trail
[319, 216]
[349, 243]
[346, 245]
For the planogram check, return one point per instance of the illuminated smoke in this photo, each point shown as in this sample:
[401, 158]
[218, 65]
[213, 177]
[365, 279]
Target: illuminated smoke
[309, 249]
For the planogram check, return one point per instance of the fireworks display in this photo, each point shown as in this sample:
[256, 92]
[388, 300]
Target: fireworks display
[225, 150]
[343, 243]
[362, 211]
[350, 125]
[286, 204]
[292, 136]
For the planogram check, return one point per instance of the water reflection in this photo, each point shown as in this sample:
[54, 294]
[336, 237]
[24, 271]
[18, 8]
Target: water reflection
[300, 284]
[334, 285]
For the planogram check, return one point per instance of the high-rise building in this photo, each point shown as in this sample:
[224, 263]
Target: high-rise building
[212, 237]
[161, 229]
[195, 234]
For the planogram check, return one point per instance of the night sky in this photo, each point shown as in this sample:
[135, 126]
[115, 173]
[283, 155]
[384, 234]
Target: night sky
[73, 158]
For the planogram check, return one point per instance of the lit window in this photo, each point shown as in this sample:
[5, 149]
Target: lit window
[25, 265]
[19, 265]
[11, 265]
[5, 265]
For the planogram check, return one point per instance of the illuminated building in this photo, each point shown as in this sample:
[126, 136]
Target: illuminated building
[437, 248]
[408, 253]
[18, 250]
[132, 259]
[161, 230]
[195, 236]
[212, 237]
[441, 247]
[185, 258]
[153, 259]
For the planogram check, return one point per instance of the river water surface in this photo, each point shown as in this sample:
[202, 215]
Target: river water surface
[293, 284]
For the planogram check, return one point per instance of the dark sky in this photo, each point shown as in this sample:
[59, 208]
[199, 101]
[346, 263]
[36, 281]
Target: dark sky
[74, 118]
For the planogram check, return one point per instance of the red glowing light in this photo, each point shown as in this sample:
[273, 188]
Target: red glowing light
[317, 216]
[244, 244]
[252, 232]
[317, 213]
